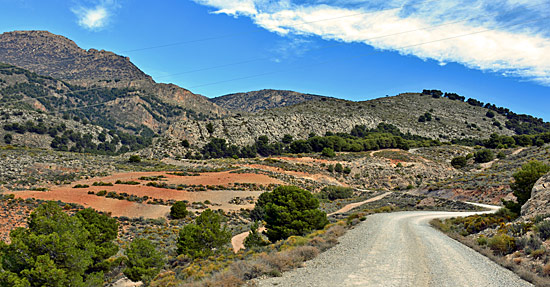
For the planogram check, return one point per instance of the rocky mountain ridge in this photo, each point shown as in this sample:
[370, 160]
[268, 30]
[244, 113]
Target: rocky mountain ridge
[255, 101]
[58, 57]
[449, 119]
[539, 203]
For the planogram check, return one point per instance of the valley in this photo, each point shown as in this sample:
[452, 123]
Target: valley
[248, 187]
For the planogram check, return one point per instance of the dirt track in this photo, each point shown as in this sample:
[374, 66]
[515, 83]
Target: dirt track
[399, 249]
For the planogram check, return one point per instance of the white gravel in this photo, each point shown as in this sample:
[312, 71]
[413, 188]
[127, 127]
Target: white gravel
[399, 249]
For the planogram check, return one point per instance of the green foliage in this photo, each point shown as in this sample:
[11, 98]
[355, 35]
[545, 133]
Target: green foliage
[338, 168]
[328, 152]
[134, 159]
[59, 250]
[8, 138]
[289, 210]
[543, 229]
[459, 162]
[178, 210]
[287, 139]
[484, 155]
[202, 238]
[144, 261]
[336, 192]
[524, 180]
[490, 114]
[502, 244]
[210, 128]
[254, 240]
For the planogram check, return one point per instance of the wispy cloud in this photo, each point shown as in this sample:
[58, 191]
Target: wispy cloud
[510, 38]
[96, 16]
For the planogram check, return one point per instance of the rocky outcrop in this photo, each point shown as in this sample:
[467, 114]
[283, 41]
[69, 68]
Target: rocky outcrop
[58, 57]
[451, 119]
[539, 203]
[256, 101]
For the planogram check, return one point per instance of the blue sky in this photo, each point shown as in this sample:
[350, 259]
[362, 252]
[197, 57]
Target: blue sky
[352, 49]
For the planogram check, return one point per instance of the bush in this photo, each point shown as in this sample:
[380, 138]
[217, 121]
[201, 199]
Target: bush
[501, 244]
[524, 180]
[144, 261]
[289, 210]
[178, 210]
[8, 138]
[254, 240]
[204, 237]
[328, 152]
[459, 162]
[59, 250]
[484, 155]
[543, 229]
[336, 192]
[134, 159]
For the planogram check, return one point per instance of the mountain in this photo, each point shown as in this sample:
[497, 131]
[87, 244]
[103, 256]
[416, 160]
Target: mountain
[415, 113]
[55, 56]
[256, 101]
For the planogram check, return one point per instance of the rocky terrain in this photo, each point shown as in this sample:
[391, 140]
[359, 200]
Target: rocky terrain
[450, 120]
[55, 56]
[256, 101]
[538, 204]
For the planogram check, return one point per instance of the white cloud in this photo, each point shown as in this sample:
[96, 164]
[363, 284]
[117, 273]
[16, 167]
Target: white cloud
[97, 17]
[506, 38]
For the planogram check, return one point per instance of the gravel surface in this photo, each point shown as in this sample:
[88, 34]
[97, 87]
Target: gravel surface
[399, 249]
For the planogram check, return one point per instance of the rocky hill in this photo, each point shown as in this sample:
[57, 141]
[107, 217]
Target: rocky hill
[55, 56]
[539, 203]
[256, 101]
[437, 118]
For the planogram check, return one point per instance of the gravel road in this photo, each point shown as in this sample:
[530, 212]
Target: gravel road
[399, 249]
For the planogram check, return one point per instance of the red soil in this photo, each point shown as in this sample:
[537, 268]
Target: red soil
[132, 209]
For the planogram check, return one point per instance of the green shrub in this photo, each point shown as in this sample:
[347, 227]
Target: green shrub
[58, 249]
[459, 162]
[484, 155]
[144, 261]
[134, 159]
[289, 210]
[543, 229]
[178, 210]
[328, 152]
[254, 240]
[336, 192]
[81, 186]
[502, 244]
[203, 237]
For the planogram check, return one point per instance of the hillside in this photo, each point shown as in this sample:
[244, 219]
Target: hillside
[449, 119]
[55, 56]
[256, 101]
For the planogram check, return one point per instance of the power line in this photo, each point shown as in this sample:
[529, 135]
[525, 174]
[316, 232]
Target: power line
[300, 67]
[324, 62]
[264, 58]
[357, 56]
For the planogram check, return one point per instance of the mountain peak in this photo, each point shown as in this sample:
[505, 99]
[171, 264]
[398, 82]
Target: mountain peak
[54, 55]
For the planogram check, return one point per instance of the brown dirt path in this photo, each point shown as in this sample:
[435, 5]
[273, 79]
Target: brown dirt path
[237, 242]
[356, 204]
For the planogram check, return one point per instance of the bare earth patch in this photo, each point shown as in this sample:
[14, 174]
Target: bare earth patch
[132, 209]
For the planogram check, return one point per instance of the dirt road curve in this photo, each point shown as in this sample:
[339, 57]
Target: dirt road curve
[399, 249]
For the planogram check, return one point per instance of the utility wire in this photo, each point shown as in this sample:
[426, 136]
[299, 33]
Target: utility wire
[357, 56]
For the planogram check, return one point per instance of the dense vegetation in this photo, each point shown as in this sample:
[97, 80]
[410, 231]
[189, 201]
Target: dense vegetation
[519, 123]
[59, 250]
[204, 237]
[524, 180]
[359, 139]
[289, 210]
